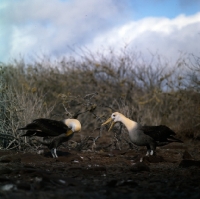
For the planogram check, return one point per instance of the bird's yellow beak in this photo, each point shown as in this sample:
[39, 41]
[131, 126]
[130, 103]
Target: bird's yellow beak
[69, 132]
[107, 121]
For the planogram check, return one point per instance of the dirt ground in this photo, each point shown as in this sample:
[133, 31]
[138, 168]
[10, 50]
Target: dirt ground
[173, 173]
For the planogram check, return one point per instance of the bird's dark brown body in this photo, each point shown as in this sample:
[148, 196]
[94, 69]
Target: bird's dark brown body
[54, 132]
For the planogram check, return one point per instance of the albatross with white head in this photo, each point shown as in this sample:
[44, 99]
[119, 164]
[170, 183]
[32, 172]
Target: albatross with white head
[53, 132]
[149, 136]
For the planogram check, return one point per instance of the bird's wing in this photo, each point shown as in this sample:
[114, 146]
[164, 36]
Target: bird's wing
[158, 133]
[54, 142]
[46, 127]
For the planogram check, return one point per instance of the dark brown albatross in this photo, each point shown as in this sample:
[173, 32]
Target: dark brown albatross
[54, 132]
[149, 136]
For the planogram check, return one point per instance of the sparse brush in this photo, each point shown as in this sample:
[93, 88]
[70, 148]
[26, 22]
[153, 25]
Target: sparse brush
[150, 92]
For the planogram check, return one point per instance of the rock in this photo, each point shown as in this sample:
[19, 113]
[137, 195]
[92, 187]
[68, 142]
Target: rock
[5, 179]
[40, 152]
[8, 187]
[152, 159]
[115, 183]
[187, 156]
[136, 158]
[5, 159]
[139, 166]
[24, 186]
[189, 163]
[10, 158]
[5, 170]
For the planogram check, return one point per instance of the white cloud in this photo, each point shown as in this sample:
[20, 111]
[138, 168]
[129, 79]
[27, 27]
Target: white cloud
[30, 27]
[49, 27]
[166, 36]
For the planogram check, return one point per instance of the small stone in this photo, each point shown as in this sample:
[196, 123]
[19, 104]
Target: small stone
[187, 156]
[10, 158]
[5, 159]
[8, 187]
[40, 152]
[189, 163]
[139, 166]
[24, 186]
[153, 159]
[5, 170]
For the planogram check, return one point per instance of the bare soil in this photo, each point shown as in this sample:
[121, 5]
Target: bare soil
[173, 173]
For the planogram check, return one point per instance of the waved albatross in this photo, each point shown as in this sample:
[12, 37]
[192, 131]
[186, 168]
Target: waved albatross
[149, 136]
[54, 132]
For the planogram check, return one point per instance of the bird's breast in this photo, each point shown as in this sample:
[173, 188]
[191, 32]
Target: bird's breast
[139, 138]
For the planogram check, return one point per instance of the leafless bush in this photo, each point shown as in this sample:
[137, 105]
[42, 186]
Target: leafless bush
[150, 92]
[17, 109]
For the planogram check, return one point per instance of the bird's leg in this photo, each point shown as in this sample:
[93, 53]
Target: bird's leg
[148, 150]
[152, 152]
[53, 152]
[148, 153]
[153, 149]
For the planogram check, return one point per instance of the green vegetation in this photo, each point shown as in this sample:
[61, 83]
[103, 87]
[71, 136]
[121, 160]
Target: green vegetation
[150, 92]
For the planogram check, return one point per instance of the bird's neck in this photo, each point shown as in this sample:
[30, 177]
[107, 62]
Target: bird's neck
[129, 124]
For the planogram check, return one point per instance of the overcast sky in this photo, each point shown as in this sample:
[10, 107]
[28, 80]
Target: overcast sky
[31, 28]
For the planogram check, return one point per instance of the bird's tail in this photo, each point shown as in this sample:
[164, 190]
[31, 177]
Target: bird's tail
[28, 128]
[31, 127]
[28, 133]
[24, 128]
[173, 139]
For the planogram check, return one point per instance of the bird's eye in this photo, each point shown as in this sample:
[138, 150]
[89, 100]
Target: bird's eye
[113, 115]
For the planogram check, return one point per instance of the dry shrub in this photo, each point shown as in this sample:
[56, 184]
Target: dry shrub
[18, 107]
[150, 92]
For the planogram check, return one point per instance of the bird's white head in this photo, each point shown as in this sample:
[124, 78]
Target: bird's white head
[115, 117]
[73, 124]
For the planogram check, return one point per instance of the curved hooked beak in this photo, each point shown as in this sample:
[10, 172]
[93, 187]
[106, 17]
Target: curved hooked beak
[108, 121]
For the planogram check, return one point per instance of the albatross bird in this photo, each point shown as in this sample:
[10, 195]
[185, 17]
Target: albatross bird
[149, 136]
[54, 132]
